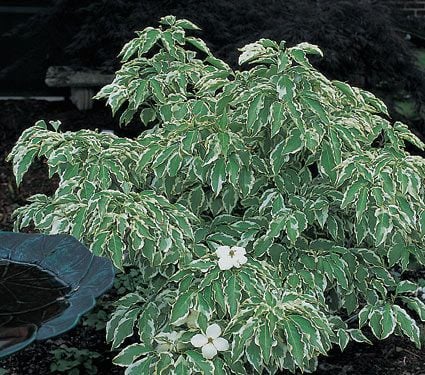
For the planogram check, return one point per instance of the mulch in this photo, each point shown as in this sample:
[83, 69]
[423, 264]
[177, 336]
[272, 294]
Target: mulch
[394, 356]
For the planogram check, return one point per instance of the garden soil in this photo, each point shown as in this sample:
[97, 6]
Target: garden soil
[394, 356]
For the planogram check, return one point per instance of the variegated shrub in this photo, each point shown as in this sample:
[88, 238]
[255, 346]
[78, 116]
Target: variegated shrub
[272, 212]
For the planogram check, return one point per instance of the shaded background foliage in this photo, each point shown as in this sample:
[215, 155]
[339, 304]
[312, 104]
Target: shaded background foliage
[364, 43]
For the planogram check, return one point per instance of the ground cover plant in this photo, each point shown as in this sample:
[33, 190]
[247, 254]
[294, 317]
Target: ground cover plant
[73, 361]
[271, 212]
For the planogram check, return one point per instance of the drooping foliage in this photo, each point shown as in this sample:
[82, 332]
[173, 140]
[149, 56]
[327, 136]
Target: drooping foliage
[272, 212]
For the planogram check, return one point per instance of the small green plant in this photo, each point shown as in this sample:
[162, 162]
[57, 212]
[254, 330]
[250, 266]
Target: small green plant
[98, 317]
[265, 209]
[131, 280]
[73, 361]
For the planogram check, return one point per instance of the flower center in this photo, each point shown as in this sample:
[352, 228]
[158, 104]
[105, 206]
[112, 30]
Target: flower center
[210, 340]
[232, 253]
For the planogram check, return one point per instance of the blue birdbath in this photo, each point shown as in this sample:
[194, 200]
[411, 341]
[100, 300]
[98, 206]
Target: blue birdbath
[46, 284]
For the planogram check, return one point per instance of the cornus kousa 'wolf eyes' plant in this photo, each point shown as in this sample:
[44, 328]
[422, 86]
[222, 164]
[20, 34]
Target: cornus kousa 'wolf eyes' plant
[272, 212]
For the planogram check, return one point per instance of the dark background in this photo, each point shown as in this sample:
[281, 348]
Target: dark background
[13, 48]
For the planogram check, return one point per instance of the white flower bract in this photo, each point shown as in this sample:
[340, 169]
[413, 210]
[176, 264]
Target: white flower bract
[229, 257]
[211, 342]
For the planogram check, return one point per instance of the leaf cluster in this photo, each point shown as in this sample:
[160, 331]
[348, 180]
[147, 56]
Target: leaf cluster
[73, 361]
[305, 173]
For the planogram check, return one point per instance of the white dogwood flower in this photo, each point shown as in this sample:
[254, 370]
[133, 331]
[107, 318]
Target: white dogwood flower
[229, 257]
[168, 341]
[211, 342]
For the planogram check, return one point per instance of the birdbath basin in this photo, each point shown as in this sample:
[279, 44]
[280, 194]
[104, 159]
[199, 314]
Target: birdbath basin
[46, 284]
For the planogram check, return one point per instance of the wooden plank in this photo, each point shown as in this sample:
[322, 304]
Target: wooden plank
[65, 76]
